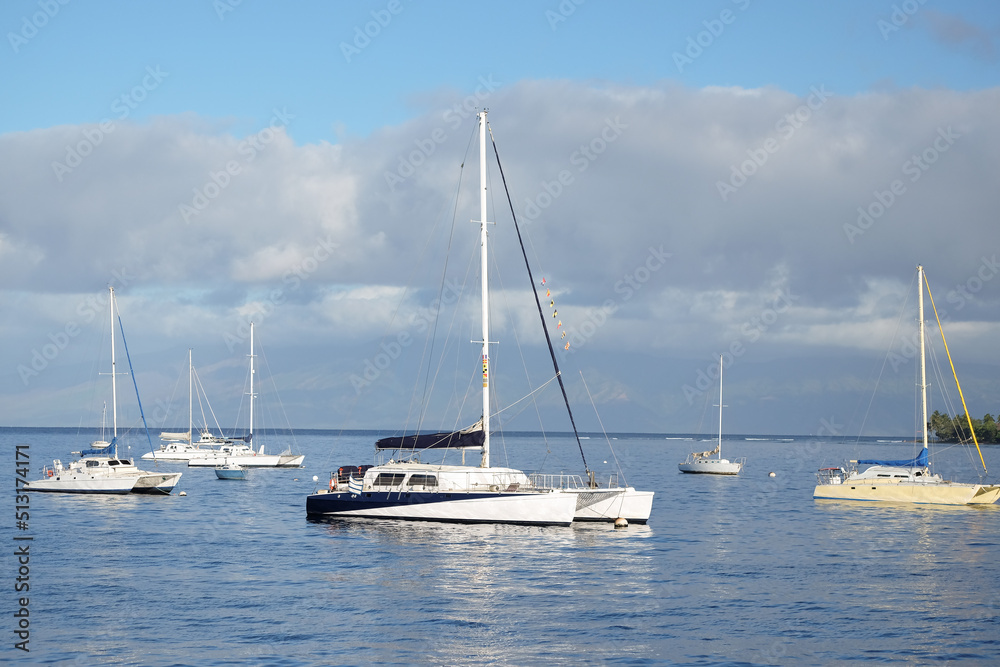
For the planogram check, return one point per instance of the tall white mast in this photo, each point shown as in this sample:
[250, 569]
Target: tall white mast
[485, 463]
[114, 384]
[923, 368]
[251, 383]
[190, 398]
[720, 406]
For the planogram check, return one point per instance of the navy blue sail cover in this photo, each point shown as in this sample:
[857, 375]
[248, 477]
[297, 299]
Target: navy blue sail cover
[920, 461]
[466, 439]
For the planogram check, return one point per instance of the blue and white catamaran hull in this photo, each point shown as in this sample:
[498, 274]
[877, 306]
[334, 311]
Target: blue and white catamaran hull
[462, 494]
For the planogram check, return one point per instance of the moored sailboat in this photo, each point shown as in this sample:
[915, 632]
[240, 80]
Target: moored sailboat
[905, 480]
[711, 462]
[412, 490]
[182, 447]
[99, 469]
[243, 453]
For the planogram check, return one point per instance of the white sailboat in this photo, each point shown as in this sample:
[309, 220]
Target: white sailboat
[711, 462]
[909, 480]
[100, 470]
[411, 490]
[181, 446]
[243, 454]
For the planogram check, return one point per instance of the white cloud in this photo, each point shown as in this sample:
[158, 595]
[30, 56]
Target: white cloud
[315, 243]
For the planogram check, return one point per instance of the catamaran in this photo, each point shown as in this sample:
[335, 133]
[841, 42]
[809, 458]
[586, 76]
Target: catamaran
[412, 490]
[99, 469]
[905, 480]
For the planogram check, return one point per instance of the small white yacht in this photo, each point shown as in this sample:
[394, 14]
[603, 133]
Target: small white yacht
[711, 462]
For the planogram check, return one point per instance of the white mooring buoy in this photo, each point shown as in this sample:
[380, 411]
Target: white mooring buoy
[621, 522]
[183, 493]
[771, 474]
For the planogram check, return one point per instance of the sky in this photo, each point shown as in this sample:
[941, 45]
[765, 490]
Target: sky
[756, 181]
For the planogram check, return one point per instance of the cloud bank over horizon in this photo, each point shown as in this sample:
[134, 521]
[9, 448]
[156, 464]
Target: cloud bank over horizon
[673, 224]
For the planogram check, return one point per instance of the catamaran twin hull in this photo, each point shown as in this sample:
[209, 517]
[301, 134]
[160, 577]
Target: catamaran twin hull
[942, 493]
[251, 461]
[540, 509]
[611, 504]
[156, 483]
[74, 484]
[147, 483]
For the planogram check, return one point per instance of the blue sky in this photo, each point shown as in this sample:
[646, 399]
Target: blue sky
[221, 162]
[235, 63]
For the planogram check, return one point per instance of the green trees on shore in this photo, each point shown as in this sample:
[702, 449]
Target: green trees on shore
[948, 429]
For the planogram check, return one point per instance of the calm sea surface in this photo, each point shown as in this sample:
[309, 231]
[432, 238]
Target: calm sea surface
[745, 570]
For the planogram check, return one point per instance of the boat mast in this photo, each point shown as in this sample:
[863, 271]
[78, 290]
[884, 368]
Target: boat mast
[923, 368]
[485, 462]
[720, 406]
[114, 384]
[251, 383]
[190, 398]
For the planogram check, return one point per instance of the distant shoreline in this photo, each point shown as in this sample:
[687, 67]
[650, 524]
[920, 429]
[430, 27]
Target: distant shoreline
[376, 433]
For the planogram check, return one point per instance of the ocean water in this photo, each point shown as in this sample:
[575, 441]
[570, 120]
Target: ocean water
[729, 570]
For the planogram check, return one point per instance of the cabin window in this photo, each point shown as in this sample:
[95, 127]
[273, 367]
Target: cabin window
[902, 476]
[883, 475]
[423, 480]
[92, 464]
[389, 479]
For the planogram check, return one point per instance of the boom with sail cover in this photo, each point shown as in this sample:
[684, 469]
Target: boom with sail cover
[469, 438]
[920, 461]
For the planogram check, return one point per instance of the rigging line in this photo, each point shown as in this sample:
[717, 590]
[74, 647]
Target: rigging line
[615, 456]
[134, 384]
[968, 417]
[430, 340]
[524, 364]
[352, 406]
[166, 415]
[203, 395]
[538, 304]
[885, 361]
[277, 397]
[527, 375]
[526, 396]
